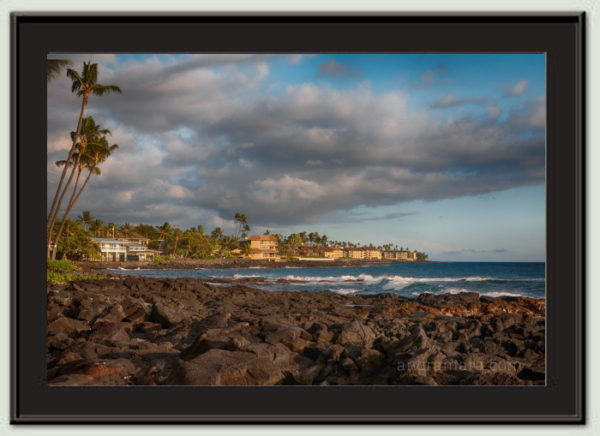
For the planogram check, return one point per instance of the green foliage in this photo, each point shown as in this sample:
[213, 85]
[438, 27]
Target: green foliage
[421, 257]
[159, 260]
[61, 266]
[54, 277]
[76, 243]
[64, 271]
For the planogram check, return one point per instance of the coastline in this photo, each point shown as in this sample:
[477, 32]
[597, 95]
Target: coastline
[142, 331]
[232, 263]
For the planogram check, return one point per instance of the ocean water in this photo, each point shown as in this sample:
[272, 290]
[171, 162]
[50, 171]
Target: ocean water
[408, 279]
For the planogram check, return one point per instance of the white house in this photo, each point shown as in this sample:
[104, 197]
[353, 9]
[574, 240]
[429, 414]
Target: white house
[112, 250]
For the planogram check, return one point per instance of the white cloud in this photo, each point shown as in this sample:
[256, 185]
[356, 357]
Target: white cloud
[516, 89]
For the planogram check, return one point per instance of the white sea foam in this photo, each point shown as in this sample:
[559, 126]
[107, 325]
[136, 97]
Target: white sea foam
[501, 294]
[385, 282]
[346, 291]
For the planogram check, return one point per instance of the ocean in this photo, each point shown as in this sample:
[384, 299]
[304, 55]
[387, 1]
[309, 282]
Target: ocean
[409, 279]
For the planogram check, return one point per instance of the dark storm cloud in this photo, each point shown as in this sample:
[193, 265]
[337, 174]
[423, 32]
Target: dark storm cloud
[203, 138]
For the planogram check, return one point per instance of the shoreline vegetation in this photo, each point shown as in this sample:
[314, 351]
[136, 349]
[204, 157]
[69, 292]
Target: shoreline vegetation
[143, 331]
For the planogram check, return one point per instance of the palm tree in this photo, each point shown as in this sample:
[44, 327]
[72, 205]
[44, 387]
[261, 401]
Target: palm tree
[164, 231]
[96, 152]
[96, 226]
[217, 233]
[242, 223]
[90, 134]
[110, 227]
[84, 84]
[126, 229]
[176, 235]
[54, 67]
[86, 219]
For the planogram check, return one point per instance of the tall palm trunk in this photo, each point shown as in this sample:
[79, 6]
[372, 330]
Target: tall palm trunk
[62, 195]
[74, 197]
[56, 202]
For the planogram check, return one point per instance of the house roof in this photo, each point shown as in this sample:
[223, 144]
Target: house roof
[110, 240]
[135, 236]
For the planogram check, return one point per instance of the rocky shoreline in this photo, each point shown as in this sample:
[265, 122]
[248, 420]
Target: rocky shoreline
[142, 331]
[227, 263]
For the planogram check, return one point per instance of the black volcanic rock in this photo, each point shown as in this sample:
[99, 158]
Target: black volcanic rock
[144, 331]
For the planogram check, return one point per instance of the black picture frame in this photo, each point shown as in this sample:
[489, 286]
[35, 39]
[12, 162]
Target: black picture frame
[561, 36]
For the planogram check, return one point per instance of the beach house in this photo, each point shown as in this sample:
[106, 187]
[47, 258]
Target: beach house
[119, 250]
[112, 250]
[261, 247]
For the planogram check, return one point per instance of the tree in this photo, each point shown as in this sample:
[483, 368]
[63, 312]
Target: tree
[77, 243]
[173, 239]
[242, 224]
[86, 219]
[54, 67]
[89, 135]
[93, 150]
[84, 84]
[164, 231]
[110, 229]
[422, 257]
[217, 233]
[97, 227]
[126, 229]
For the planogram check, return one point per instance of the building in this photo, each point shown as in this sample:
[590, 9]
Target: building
[112, 250]
[140, 253]
[117, 250]
[262, 247]
[333, 252]
[404, 256]
[136, 239]
[368, 253]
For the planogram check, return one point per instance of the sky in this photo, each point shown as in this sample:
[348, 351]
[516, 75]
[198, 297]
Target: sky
[442, 153]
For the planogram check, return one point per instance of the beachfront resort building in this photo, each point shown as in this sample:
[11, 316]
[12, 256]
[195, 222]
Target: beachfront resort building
[369, 253]
[405, 256]
[333, 253]
[119, 250]
[262, 247]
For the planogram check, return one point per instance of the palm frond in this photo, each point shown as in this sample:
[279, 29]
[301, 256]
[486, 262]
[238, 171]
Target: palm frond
[100, 90]
[77, 81]
[54, 67]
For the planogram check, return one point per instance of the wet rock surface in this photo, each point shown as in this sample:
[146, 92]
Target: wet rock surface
[142, 331]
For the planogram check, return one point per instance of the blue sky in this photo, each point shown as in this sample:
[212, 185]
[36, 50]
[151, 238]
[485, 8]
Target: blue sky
[443, 153]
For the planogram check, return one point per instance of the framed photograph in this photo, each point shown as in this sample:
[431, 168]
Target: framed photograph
[298, 218]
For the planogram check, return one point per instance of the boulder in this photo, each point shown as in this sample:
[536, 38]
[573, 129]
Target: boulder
[166, 315]
[109, 332]
[355, 332]
[370, 360]
[238, 368]
[68, 326]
